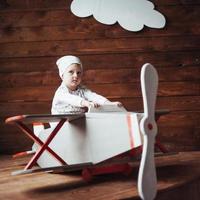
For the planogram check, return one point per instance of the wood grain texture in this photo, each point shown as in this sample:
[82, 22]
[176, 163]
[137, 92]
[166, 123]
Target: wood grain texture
[34, 34]
[95, 76]
[63, 16]
[46, 4]
[178, 178]
[44, 93]
[96, 30]
[182, 103]
[133, 60]
[50, 48]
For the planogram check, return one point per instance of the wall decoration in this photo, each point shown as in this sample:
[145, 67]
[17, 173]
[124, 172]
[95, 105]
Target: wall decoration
[132, 15]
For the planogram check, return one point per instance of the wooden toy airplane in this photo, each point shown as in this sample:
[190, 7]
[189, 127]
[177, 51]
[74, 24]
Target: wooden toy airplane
[87, 141]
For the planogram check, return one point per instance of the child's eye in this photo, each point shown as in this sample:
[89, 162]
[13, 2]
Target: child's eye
[70, 72]
[79, 73]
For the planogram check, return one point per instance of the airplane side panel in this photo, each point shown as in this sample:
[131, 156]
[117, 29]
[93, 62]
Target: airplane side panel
[70, 143]
[110, 134]
[97, 137]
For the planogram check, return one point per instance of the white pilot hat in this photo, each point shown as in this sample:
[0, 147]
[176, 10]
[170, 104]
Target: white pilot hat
[65, 62]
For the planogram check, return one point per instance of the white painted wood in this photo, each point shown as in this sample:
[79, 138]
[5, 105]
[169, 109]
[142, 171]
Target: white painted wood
[147, 179]
[107, 108]
[37, 128]
[109, 134]
[132, 15]
[95, 138]
[70, 143]
[98, 136]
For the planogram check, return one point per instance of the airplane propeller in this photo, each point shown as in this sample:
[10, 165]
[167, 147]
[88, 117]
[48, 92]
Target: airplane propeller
[147, 179]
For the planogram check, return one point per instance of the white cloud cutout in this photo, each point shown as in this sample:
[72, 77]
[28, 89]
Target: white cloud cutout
[132, 15]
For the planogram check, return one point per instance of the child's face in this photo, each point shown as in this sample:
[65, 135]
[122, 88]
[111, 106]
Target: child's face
[72, 76]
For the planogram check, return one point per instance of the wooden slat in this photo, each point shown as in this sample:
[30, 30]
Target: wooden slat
[175, 103]
[179, 135]
[105, 61]
[101, 46]
[38, 4]
[171, 147]
[176, 88]
[187, 118]
[46, 4]
[183, 103]
[42, 17]
[13, 140]
[30, 4]
[97, 76]
[27, 18]
[96, 30]
[45, 93]
[177, 2]
[19, 108]
[177, 14]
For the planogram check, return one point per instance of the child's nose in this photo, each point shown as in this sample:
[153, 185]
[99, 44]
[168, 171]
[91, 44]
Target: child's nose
[75, 74]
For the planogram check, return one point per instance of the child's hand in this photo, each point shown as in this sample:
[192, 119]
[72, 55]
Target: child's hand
[117, 103]
[89, 104]
[93, 104]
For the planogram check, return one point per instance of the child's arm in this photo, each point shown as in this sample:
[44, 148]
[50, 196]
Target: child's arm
[98, 99]
[89, 104]
[117, 103]
[63, 97]
[94, 97]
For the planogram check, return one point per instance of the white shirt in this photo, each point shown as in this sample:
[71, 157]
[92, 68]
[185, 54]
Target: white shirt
[67, 101]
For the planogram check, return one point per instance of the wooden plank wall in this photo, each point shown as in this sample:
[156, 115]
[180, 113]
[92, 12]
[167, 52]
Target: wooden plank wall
[34, 33]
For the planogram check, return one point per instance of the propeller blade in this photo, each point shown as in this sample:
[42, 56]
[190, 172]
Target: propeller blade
[147, 179]
[149, 83]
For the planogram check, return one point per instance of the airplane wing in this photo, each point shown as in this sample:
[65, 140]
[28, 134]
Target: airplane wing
[44, 118]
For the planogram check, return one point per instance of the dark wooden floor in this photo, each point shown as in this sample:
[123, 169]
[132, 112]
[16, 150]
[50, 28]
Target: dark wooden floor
[178, 178]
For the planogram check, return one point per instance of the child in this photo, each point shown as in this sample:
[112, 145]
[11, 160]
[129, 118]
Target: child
[71, 96]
